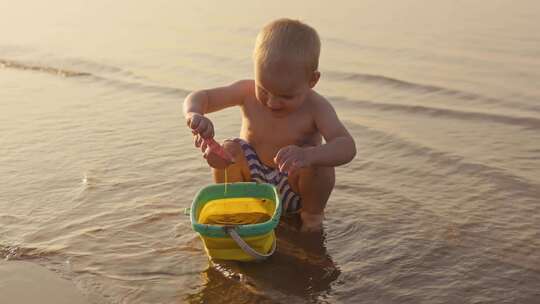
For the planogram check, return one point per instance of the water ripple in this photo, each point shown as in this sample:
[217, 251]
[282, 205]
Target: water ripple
[527, 122]
[118, 83]
[382, 80]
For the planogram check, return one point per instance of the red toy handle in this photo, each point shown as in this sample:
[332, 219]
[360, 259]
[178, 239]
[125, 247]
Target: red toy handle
[214, 147]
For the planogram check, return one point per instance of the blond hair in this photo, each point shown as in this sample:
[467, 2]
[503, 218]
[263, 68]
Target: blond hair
[287, 39]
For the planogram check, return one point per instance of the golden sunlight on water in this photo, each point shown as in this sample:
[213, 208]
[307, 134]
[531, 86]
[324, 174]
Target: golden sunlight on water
[441, 204]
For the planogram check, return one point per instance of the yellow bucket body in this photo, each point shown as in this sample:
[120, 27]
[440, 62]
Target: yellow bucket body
[226, 248]
[237, 211]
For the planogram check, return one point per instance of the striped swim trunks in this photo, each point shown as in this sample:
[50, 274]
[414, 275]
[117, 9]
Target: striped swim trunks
[263, 174]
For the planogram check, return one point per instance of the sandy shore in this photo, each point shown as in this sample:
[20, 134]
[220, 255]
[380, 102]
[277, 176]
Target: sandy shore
[27, 283]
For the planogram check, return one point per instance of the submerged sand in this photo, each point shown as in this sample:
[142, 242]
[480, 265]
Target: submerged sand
[25, 283]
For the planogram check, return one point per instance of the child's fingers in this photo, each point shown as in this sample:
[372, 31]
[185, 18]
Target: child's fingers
[197, 140]
[281, 155]
[208, 130]
[201, 126]
[194, 121]
[205, 129]
[285, 165]
[293, 169]
[207, 133]
[204, 146]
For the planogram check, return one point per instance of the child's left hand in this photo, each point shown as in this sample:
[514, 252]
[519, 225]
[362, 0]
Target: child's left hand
[291, 158]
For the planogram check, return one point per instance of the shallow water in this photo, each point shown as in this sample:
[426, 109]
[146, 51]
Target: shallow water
[441, 204]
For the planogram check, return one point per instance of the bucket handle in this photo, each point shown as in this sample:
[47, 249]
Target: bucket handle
[230, 230]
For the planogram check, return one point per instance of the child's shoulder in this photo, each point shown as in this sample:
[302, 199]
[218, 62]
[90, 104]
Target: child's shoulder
[318, 103]
[244, 85]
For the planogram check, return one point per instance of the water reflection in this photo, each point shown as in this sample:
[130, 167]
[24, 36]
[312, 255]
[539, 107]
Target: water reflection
[300, 269]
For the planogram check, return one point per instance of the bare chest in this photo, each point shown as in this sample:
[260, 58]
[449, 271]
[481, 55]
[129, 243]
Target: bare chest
[268, 134]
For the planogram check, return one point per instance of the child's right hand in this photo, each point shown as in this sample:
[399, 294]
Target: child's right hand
[200, 125]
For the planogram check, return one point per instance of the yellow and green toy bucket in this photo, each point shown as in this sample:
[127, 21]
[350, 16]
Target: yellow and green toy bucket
[237, 221]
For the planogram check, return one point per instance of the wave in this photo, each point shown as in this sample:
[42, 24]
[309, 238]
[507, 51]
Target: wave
[423, 88]
[148, 88]
[383, 80]
[16, 252]
[45, 69]
[11, 64]
[458, 164]
[527, 122]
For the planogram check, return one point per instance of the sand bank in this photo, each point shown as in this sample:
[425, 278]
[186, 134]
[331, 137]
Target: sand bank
[27, 283]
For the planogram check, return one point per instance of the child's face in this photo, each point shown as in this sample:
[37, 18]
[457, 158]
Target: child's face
[282, 88]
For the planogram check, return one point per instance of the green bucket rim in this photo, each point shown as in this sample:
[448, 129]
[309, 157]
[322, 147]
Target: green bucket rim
[241, 189]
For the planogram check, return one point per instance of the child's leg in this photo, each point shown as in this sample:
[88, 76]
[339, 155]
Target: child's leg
[237, 172]
[314, 184]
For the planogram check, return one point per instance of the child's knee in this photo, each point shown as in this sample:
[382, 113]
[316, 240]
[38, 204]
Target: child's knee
[313, 180]
[239, 169]
[325, 175]
[234, 149]
[321, 172]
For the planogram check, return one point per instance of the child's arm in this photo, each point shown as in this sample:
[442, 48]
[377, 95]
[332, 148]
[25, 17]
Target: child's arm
[201, 102]
[339, 148]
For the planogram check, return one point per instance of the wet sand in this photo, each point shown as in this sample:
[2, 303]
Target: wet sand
[27, 283]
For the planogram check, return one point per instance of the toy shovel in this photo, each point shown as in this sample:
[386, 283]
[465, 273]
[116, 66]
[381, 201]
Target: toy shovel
[216, 155]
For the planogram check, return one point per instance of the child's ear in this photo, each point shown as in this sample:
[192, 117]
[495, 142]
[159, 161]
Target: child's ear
[314, 79]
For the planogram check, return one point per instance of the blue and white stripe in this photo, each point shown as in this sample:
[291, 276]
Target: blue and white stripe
[264, 174]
